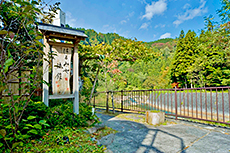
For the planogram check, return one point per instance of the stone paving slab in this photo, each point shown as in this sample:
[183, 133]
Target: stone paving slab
[134, 137]
[215, 142]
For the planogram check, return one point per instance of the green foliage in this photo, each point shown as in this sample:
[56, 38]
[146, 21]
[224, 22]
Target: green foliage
[37, 109]
[38, 119]
[62, 115]
[97, 38]
[165, 40]
[162, 43]
[86, 89]
[20, 50]
[224, 12]
[29, 127]
[140, 74]
[203, 61]
[79, 141]
[186, 53]
[198, 60]
[119, 50]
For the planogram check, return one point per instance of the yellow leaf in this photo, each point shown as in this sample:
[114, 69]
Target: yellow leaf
[3, 32]
[3, 132]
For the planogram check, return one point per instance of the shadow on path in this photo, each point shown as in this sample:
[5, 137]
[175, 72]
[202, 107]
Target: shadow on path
[136, 137]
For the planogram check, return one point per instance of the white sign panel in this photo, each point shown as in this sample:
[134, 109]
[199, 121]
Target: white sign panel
[61, 70]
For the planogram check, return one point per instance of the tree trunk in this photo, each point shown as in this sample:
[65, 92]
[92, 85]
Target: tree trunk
[94, 84]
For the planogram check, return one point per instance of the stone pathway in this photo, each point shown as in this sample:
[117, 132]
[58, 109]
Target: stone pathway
[135, 136]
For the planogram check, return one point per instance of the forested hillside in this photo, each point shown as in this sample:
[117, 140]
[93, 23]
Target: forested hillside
[140, 74]
[203, 60]
[96, 38]
[161, 43]
[191, 60]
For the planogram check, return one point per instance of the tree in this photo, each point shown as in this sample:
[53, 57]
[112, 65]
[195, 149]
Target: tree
[186, 54]
[20, 50]
[214, 65]
[224, 12]
[119, 50]
[179, 50]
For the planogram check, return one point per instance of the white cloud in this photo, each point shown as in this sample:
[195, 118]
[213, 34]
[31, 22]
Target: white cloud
[70, 20]
[125, 34]
[191, 13]
[123, 21]
[142, 1]
[177, 22]
[166, 35]
[144, 26]
[156, 8]
[159, 25]
[105, 26]
[186, 6]
[108, 28]
[131, 14]
[127, 17]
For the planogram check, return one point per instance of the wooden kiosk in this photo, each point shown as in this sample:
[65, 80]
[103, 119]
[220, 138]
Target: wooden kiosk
[63, 44]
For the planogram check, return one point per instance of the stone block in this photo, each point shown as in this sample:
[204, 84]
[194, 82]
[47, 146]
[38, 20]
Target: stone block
[154, 118]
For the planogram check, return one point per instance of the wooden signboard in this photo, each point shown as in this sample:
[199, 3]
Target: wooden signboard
[63, 42]
[61, 70]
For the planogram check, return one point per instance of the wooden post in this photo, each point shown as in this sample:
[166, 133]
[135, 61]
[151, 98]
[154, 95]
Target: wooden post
[75, 79]
[45, 93]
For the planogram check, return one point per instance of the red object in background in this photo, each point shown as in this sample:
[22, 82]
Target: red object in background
[175, 84]
[38, 92]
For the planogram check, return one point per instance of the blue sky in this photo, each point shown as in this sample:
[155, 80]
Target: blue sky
[147, 20]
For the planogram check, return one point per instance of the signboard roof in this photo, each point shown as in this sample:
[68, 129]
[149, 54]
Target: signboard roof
[61, 30]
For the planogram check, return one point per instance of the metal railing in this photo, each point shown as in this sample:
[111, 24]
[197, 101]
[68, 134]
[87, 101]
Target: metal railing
[209, 104]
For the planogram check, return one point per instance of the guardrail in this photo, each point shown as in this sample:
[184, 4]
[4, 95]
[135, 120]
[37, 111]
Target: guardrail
[209, 104]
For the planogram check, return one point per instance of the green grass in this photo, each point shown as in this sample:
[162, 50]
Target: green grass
[210, 123]
[79, 141]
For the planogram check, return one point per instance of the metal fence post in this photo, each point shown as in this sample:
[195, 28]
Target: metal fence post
[121, 100]
[107, 101]
[112, 102]
[94, 105]
[176, 102]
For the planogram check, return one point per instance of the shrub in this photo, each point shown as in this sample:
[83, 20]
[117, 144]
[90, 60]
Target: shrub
[38, 109]
[38, 119]
[29, 127]
[62, 116]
